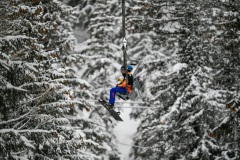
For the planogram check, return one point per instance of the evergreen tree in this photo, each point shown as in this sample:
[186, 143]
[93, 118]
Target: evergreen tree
[190, 104]
[226, 76]
[38, 84]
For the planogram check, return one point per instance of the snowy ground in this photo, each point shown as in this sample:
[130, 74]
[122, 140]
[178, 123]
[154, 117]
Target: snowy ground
[125, 131]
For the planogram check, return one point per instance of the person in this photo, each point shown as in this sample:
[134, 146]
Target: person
[121, 87]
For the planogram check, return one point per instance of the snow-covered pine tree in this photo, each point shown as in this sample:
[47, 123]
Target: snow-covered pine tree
[96, 60]
[190, 105]
[154, 30]
[226, 77]
[36, 85]
[150, 30]
[86, 9]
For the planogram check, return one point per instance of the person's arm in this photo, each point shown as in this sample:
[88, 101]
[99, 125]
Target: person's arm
[123, 84]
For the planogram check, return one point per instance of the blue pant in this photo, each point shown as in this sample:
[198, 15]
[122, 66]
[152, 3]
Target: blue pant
[113, 92]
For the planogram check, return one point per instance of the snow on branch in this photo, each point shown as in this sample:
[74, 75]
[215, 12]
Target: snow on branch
[18, 37]
[224, 122]
[6, 85]
[27, 142]
[16, 119]
[26, 131]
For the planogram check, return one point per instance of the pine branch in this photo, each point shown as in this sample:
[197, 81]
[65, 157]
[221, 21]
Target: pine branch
[19, 118]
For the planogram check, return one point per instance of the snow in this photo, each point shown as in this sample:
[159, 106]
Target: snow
[27, 142]
[16, 119]
[173, 110]
[213, 28]
[174, 68]
[177, 67]
[8, 38]
[23, 131]
[106, 146]
[78, 133]
[125, 131]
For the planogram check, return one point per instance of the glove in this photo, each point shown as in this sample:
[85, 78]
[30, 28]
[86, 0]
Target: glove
[120, 79]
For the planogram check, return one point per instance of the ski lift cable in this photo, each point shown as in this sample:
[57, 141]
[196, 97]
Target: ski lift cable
[119, 102]
[140, 74]
[130, 106]
[136, 146]
[133, 60]
[139, 107]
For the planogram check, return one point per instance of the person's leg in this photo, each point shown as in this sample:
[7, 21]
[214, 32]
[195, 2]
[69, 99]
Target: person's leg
[113, 92]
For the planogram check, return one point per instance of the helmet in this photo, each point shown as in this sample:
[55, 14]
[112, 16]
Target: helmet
[129, 68]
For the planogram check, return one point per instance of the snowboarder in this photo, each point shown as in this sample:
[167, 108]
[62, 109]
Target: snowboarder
[121, 88]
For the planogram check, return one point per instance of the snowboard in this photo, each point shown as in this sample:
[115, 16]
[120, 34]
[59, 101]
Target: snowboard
[112, 112]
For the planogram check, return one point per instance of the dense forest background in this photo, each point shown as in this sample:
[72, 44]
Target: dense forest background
[48, 79]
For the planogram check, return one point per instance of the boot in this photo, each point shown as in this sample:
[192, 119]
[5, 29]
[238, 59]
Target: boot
[110, 106]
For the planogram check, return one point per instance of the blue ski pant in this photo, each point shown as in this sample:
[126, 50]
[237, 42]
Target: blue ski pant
[113, 92]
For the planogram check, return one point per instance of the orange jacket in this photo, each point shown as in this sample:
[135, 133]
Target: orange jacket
[130, 82]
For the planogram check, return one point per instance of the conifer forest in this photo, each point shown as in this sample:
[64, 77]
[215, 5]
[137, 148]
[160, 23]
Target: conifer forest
[58, 57]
